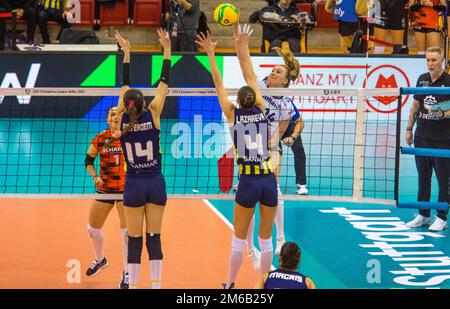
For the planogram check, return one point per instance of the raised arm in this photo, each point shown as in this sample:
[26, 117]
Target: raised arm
[241, 42]
[158, 101]
[241, 38]
[209, 46]
[125, 45]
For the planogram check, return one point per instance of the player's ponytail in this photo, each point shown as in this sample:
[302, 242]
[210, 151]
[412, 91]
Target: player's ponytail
[246, 97]
[134, 105]
[291, 63]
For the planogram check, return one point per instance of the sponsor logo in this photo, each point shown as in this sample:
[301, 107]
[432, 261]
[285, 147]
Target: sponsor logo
[383, 77]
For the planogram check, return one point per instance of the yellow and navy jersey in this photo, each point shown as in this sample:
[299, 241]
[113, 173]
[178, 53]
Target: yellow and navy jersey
[250, 135]
[112, 164]
[53, 4]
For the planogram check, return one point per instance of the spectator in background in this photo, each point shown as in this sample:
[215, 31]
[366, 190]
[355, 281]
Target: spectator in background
[389, 16]
[24, 9]
[427, 22]
[54, 10]
[277, 32]
[181, 23]
[344, 12]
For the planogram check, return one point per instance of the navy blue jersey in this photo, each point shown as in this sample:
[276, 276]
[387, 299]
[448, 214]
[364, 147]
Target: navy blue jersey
[284, 279]
[141, 145]
[250, 134]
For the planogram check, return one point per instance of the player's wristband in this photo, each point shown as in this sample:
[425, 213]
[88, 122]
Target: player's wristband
[408, 129]
[165, 72]
[126, 74]
[88, 160]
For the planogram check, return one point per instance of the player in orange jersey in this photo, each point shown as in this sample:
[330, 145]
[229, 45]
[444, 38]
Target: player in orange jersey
[111, 180]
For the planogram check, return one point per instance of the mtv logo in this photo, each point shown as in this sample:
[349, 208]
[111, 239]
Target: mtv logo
[384, 82]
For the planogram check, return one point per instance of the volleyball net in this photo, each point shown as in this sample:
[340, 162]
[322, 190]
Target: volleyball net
[350, 143]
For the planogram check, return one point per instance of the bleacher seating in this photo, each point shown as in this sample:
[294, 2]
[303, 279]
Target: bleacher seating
[323, 18]
[87, 13]
[116, 15]
[147, 13]
[305, 7]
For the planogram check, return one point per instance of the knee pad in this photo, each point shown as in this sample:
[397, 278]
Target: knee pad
[153, 243]
[134, 250]
[94, 233]
[265, 244]
[237, 244]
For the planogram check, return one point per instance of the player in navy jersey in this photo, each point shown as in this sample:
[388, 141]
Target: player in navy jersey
[250, 134]
[145, 189]
[285, 122]
[286, 276]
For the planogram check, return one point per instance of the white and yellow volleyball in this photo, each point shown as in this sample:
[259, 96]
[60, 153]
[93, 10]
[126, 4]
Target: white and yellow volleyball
[226, 14]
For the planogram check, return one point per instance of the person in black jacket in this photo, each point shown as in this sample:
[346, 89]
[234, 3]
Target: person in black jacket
[24, 9]
[277, 32]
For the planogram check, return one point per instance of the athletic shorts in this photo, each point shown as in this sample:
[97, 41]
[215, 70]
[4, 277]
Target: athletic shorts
[257, 188]
[346, 28]
[144, 189]
[425, 30]
[390, 20]
[112, 202]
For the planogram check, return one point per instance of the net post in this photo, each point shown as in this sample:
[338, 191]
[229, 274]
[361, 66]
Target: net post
[358, 156]
[397, 147]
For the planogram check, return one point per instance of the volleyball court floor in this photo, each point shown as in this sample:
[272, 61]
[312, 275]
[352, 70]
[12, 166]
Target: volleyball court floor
[41, 239]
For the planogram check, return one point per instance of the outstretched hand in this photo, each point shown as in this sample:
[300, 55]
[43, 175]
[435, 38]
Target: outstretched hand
[241, 35]
[123, 42]
[206, 42]
[163, 38]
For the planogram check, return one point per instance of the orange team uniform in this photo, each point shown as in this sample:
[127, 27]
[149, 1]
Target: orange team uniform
[427, 17]
[112, 164]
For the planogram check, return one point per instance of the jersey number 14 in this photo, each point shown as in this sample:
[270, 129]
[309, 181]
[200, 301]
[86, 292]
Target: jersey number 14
[139, 151]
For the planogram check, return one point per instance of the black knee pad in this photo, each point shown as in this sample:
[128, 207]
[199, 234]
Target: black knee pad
[153, 243]
[134, 249]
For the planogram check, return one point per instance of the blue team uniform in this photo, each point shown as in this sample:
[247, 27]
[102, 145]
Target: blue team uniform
[345, 11]
[257, 182]
[284, 279]
[144, 182]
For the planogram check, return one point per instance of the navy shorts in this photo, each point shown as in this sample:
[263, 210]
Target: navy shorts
[257, 188]
[144, 189]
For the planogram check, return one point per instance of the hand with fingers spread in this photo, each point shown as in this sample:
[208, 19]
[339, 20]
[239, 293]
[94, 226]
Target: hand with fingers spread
[241, 35]
[206, 42]
[163, 38]
[123, 42]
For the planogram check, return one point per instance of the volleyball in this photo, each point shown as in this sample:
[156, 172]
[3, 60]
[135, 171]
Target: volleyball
[226, 14]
